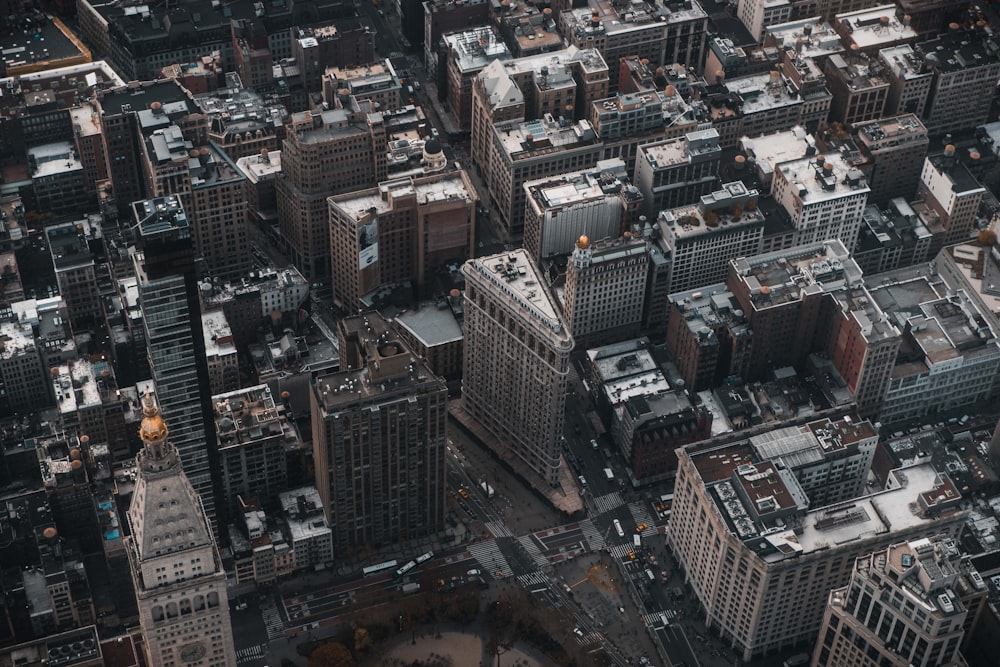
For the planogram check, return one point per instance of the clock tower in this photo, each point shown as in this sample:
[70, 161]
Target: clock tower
[180, 585]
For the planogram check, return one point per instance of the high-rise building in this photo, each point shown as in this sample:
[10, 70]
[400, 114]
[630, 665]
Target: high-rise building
[824, 195]
[252, 58]
[604, 295]
[400, 231]
[317, 47]
[469, 52]
[859, 88]
[755, 549]
[963, 59]
[898, 146]
[677, 35]
[677, 171]
[534, 149]
[951, 191]
[517, 348]
[325, 152]
[180, 586]
[496, 98]
[909, 80]
[175, 345]
[757, 15]
[929, 599]
[598, 202]
[702, 237]
[379, 440]
[444, 16]
[76, 274]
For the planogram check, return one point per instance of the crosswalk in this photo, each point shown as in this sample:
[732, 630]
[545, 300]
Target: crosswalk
[608, 502]
[658, 619]
[640, 513]
[533, 581]
[620, 551]
[272, 620]
[591, 637]
[592, 535]
[245, 655]
[489, 556]
[530, 546]
[498, 529]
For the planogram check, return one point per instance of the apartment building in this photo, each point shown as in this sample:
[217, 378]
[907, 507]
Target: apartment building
[909, 80]
[598, 202]
[260, 187]
[604, 295]
[220, 352]
[755, 548]
[401, 231]
[22, 367]
[76, 273]
[677, 171]
[338, 44]
[810, 37]
[528, 30]
[949, 356]
[725, 56]
[242, 122]
[57, 178]
[325, 152]
[255, 440]
[812, 298]
[469, 52]
[255, 298]
[90, 404]
[824, 195]
[628, 120]
[444, 16]
[892, 237]
[897, 145]
[931, 597]
[672, 33]
[517, 348]
[534, 149]
[375, 81]
[379, 433]
[496, 98]
[951, 191]
[872, 29]
[701, 238]
[757, 15]
[859, 88]
[89, 144]
[963, 59]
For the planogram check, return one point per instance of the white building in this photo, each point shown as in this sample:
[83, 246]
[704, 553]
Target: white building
[756, 15]
[825, 197]
[220, 352]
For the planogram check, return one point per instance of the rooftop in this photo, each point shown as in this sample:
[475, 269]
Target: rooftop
[474, 49]
[714, 213]
[80, 384]
[891, 131]
[809, 443]
[590, 60]
[236, 109]
[627, 370]
[532, 29]
[34, 40]
[136, 96]
[904, 62]
[819, 178]
[875, 26]
[259, 167]
[817, 37]
[965, 48]
[217, 333]
[430, 325]
[248, 415]
[607, 178]
[159, 214]
[693, 147]
[514, 273]
[980, 267]
[68, 245]
[768, 150]
[525, 140]
[49, 160]
[779, 277]
[858, 71]
[762, 92]
[448, 186]
[614, 18]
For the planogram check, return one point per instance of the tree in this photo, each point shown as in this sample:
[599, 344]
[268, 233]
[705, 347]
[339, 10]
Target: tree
[987, 237]
[361, 640]
[333, 654]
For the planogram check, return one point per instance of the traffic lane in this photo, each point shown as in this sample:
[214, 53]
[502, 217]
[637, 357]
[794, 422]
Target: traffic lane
[556, 541]
[676, 645]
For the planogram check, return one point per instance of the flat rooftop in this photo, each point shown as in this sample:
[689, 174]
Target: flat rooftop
[783, 276]
[449, 186]
[771, 149]
[53, 159]
[876, 26]
[430, 325]
[260, 167]
[904, 62]
[819, 178]
[218, 334]
[523, 140]
[590, 60]
[474, 49]
[33, 41]
[762, 92]
[606, 179]
[617, 18]
[692, 147]
[891, 131]
[818, 37]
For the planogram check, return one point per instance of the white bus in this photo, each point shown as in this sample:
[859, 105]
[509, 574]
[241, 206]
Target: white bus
[618, 527]
[406, 568]
[380, 567]
[423, 558]
[637, 540]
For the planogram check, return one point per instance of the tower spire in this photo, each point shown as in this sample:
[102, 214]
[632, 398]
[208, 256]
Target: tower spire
[157, 452]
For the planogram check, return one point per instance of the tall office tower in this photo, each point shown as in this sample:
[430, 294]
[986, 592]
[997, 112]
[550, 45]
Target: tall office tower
[859, 88]
[909, 80]
[825, 197]
[317, 47]
[401, 231]
[898, 146]
[175, 346]
[534, 149]
[180, 585]
[379, 439]
[929, 600]
[604, 297]
[675, 34]
[702, 237]
[948, 188]
[755, 549]
[598, 202]
[517, 348]
[962, 59]
[325, 152]
[677, 171]
[496, 98]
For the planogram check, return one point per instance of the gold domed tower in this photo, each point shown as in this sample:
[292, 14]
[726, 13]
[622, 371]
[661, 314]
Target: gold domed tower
[156, 450]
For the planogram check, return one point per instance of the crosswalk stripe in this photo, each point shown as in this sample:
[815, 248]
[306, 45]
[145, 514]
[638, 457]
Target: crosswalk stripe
[498, 529]
[608, 502]
[592, 535]
[528, 542]
[640, 513]
[272, 620]
[489, 556]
